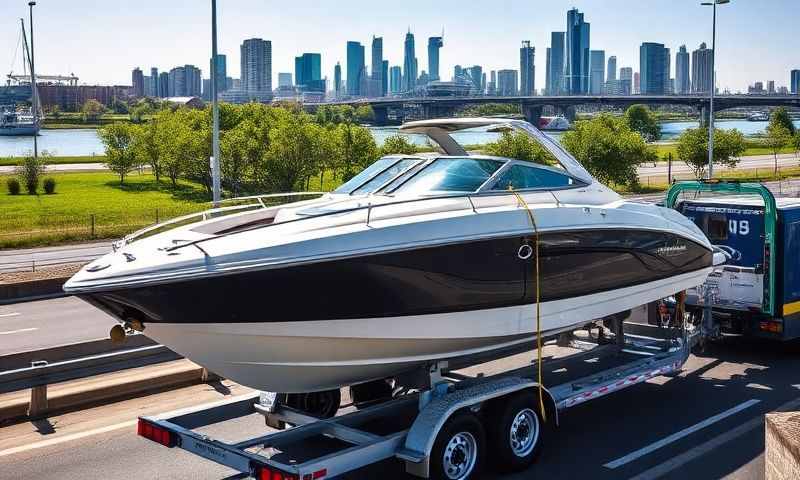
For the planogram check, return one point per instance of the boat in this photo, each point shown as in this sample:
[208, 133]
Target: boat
[16, 122]
[554, 123]
[418, 258]
[758, 117]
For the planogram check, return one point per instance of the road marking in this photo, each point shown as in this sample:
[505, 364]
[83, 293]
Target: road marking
[3, 315]
[21, 330]
[66, 438]
[696, 452]
[678, 435]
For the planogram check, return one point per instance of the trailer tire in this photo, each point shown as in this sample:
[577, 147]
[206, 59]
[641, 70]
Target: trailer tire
[323, 404]
[515, 432]
[460, 449]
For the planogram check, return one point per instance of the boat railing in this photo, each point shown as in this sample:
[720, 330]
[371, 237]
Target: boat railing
[258, 203]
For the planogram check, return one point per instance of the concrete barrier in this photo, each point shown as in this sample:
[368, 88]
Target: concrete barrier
[34, 290]
[782, 451]
[72, 350]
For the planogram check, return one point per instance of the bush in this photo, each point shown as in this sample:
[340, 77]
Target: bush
[13, 186]
[30, 171]
[49, 186]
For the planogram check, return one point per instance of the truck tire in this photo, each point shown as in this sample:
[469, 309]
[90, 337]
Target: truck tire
[459, 450]
[515, 432]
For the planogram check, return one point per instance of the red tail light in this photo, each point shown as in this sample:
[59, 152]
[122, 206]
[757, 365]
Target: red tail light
[269, 473]
[156, 434]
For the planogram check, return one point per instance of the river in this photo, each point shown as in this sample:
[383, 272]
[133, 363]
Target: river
[78, 142]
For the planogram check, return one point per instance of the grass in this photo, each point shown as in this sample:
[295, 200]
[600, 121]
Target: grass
[5, 161]
[80, 198]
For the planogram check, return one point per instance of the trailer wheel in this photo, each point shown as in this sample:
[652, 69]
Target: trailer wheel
[319, 404]
[515, 432]
[459, 449]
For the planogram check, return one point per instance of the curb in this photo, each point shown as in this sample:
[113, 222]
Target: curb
[105, 388]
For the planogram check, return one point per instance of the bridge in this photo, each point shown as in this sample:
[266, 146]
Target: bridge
[387, 109]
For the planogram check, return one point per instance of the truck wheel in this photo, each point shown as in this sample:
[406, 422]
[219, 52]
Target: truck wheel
[459, 449]
[319, 404]
[515, 432]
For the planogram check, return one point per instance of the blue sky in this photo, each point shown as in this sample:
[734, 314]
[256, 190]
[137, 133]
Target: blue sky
[101, 41]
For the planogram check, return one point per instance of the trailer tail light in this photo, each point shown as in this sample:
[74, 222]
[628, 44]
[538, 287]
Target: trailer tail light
[770, 326]
[156, 434]
[269, 473]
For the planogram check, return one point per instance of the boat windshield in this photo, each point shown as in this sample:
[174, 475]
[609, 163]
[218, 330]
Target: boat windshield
[376, 175]
[450, 175]
[378, 166]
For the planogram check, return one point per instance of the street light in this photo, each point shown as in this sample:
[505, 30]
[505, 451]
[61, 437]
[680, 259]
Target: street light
[34, 96]
[713, 83]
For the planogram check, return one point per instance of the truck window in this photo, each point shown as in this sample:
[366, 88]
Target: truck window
[717, 227]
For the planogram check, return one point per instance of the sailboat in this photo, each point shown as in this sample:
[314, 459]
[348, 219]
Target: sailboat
[18, 121]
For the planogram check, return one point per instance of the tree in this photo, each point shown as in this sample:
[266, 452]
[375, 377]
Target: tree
[119, 141]
[91, 110]
[777, 137]
[355, 148]
[796, 143]
[780, 116]
[608, 148]
[519, 146]
[365, 114]
[640, 119]
[397, 144]
[492, 109]
[146, 144]
[295, 147]
[118, 106]
[693, 148]
[30, 171]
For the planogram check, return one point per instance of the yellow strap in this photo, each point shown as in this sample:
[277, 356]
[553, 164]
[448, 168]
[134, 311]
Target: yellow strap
[538, 297]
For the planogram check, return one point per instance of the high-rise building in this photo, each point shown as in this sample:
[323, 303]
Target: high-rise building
[771, 87]
[555, 65]
[794, 81]
[458, 72]
[434, 45]
[682, 83]
[576, 54]
[507, 83]
[626, 81]
[527, 69]
[337, 79]
[137, 80]
[221, 72]
[475, 74]
[491, 88]
[637, 84]
[163, 85]
[597, 71]
[395, 79]
[384, 78]
[652, 65]
[409, 63]
[377, 67]
[669, 82]
[611, 70]
[153, 92]
[701, 70]
[355, 68]
[308, 72]
[256, 66]
[284, 79]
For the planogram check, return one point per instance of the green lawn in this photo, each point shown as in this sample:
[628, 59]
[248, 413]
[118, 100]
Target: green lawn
[33, 220]
[58, 160]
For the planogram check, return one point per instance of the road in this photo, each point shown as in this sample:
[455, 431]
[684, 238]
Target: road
[49, 323]
[705, 423]
[766, 162]
[61, 167]
[24, 259]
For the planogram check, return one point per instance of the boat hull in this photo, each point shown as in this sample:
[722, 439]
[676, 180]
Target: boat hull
[19, 131]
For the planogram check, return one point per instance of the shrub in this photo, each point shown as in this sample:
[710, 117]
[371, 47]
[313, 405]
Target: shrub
[30, 172]
[13, 186]
[49, 185]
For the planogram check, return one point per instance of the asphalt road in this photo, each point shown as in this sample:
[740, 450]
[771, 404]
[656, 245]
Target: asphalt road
[28, 258]
[664, 428]
[48, 323]
[767, 162]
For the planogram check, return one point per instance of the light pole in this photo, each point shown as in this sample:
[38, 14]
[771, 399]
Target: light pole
[34, 96]
[713, 5]
[215, 174]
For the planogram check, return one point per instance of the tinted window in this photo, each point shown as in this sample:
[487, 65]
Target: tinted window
[521, 177]
[385, 176]
[365, 175]
[451, 175]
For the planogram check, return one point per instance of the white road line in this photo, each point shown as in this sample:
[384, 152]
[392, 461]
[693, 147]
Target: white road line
[14, 314]
[66, 438]
[698, 451]
[21, 330]
[678, 435]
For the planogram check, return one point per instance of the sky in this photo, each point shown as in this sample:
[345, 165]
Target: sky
[102, 41]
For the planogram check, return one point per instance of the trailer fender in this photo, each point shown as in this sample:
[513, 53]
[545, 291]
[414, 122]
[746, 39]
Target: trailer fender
[422, 434]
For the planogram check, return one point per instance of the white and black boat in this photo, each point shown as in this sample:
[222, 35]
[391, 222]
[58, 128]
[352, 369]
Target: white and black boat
[416, 259]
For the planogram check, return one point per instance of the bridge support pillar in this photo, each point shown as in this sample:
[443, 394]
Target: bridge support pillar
[381, 115]
[532, 113]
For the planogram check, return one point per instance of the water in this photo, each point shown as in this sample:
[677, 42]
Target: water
[77, 142]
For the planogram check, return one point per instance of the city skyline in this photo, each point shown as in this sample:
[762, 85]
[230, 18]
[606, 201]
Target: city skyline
[464, 43]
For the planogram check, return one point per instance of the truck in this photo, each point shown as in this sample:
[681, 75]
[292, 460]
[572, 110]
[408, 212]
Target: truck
[757, 291]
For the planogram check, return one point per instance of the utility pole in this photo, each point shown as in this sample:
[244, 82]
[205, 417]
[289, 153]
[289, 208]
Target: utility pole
[713, 5]
[215, 173]
[34, 93]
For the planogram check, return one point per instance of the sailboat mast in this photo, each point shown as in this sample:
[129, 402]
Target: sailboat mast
[34, 93]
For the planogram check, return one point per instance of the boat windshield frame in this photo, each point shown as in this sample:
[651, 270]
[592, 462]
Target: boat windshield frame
[397, 159]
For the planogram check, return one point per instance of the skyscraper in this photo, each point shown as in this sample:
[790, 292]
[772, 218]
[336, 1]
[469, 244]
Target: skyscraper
[597, 71]
[507, 83]
[611, 70]
[256, 66]
[377, 67]
[626, 81]
[794, 81]
[555, 64]
[222, 72]
[701, 70]
[527, 69]
[185, 81]
[163, 85]
[137, 80]
[355, 68]
[576, 57]
[637, 83]
[337, 79]
[682, 84]
[395, 79]
[384, 78]
[284, 79]
[652, 66]
[475, 74]
[771, 87]
[308, 72]
[409, 63]
[434, 44]
[153, 82]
